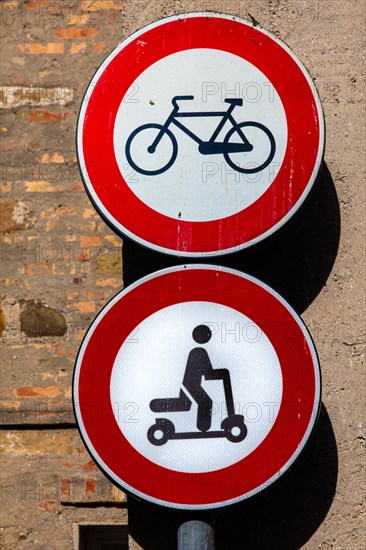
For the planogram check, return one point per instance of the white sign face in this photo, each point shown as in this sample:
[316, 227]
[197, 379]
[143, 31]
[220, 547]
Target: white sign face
[199, 187]
[148, 367]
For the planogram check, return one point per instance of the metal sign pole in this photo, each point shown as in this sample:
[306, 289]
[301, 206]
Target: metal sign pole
[196, 535]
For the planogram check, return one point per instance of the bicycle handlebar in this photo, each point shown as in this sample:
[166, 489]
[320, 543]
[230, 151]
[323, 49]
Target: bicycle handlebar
[180, 98]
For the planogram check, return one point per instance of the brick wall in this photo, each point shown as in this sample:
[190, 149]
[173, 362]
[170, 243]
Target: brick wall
[61, 264]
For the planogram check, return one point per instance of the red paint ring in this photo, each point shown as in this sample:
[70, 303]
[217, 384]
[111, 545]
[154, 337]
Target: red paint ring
[108, 189]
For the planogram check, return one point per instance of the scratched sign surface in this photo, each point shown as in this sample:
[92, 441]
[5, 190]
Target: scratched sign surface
[200, 135]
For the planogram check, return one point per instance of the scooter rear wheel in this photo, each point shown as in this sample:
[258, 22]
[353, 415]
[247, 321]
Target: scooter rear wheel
[163, 426]
[234, 428]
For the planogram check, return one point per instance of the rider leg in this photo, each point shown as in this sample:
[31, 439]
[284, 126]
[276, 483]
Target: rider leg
[204, 403]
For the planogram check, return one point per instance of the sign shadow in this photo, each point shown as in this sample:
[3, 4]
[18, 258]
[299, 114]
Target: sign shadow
[296, 261]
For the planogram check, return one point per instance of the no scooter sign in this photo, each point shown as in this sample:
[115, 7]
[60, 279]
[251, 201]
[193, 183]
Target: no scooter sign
[196, 387]
[200, 134]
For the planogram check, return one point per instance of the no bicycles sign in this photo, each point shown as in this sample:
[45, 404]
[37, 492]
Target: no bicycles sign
[196, 387]
[199, 135]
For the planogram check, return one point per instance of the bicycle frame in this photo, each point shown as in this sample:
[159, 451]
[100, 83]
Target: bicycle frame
[226, 116]
[235, 140]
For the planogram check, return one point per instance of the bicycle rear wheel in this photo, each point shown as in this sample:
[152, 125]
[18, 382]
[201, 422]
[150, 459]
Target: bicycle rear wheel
[263, 147]
[145, 160]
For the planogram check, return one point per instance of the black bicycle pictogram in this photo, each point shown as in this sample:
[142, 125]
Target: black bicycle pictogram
[198, 366]
[156, 139]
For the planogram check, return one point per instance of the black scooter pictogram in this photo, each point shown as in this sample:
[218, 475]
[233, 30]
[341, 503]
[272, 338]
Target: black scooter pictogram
[198, 365]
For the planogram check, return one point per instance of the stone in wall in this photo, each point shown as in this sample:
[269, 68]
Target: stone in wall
[37, 319]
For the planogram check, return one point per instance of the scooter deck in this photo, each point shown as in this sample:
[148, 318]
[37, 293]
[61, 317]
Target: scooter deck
[197, 435]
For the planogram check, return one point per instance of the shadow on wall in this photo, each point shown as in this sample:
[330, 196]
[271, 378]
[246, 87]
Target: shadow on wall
[296, 261]
[283, 517]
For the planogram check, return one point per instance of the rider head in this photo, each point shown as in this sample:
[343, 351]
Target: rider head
[201, 334]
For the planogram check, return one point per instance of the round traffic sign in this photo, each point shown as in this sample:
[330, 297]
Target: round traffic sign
[196, 387]
[199, 135]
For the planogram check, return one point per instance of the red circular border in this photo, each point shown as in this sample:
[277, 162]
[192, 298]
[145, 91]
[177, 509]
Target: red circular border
[295, 173]
[92, 387]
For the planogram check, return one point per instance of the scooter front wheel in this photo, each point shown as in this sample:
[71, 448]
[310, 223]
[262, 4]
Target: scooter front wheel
[234, 428]
[159, 433]
[147, 160]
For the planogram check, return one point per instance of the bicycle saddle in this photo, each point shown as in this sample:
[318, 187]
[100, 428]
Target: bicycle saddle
[180, 98]
[234, 100]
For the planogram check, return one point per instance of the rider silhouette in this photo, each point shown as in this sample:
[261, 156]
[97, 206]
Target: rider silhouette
[198, 366]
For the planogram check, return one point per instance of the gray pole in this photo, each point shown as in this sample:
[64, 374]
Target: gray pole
[196, 535]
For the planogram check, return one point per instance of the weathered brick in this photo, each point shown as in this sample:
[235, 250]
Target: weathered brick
[50, 226]
[65, 350]
[49, 506]
[77, 19]
[37, 48]
[2, 322]
[90, 240]
[11, 144]
[41, 410]
[110, 282]
[93, 6]
[36, 4]
[90, 466]
[89, 213]
[57, 158]
[42, 187]
[90, 486]
[98, 47]
[78, 188]
[66, 211]
[114, 240]
[76, 33]
[5, 187]
[14, 215]
[33, 443]
[45, 116]
[86, 307]
[109, 264]
[37, 269]
[46, 391]
[18, 96]
[77, 47]
[65, 488]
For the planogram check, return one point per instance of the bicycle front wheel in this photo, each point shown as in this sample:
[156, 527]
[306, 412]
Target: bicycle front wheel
[262, 143]
[146, 160]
